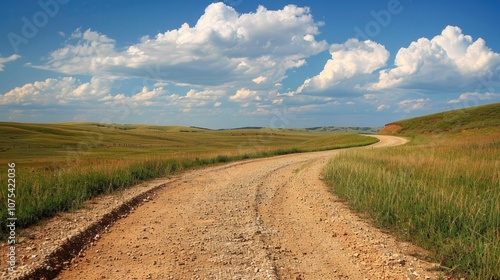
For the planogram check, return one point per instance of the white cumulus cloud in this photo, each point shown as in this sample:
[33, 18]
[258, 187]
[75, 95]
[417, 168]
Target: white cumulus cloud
[145, 94]
[244, 93]
[352, 58]
[259, 79]
[450, 60]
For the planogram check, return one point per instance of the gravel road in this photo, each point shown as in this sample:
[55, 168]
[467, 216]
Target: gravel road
[269, 218]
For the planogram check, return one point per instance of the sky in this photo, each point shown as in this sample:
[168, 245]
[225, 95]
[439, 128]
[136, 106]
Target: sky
[235, 63]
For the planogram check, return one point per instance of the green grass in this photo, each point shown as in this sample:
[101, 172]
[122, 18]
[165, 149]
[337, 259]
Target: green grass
[60, 166]
[440, 191]
[456, 121]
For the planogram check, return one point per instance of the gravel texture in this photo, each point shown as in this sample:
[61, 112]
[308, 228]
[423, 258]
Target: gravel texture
[269, 218]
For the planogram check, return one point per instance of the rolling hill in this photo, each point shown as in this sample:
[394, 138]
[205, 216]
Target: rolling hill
[486, 117]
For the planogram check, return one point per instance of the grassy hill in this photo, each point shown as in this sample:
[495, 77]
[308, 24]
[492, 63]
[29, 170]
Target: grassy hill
[473, 118]
[440, 191]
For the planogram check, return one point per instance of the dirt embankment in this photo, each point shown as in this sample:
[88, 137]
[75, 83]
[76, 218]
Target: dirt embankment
[391, 128]
[259, 219]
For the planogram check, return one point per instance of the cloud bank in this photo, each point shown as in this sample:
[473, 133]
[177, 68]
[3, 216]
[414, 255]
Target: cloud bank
[59, 91]
[224, 47]
[239, 63]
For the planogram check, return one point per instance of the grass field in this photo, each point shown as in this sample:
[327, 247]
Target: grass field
[59, 166]
[441, 191]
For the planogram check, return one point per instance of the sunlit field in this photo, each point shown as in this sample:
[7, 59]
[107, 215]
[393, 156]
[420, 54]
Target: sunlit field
[59, 166]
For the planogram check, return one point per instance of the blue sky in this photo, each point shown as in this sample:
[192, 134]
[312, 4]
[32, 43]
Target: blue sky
[245, 63]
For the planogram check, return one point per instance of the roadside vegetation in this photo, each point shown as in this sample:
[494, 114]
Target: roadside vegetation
[60, 166]
[440, 191]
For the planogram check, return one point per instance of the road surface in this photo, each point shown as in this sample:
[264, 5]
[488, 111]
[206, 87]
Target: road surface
[269, 218]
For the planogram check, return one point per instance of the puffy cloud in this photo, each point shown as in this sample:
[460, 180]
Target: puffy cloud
[352, 58]
[224, 47]
[259, 79]
[144, 98]
[450, 60]
[87, 56]
[196, 99]
[56, 91]
[4, 60]
[474, 96]
[409, 105]
[208, 94]
[383, 107]
[146, 94]
[244, 93]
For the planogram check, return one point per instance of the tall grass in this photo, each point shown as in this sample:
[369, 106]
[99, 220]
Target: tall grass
[43, 192]
[441, 192]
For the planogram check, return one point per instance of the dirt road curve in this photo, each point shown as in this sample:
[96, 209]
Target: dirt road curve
[260, 219]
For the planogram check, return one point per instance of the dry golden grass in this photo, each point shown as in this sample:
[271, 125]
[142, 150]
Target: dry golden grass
[441, 191]
[59, 166]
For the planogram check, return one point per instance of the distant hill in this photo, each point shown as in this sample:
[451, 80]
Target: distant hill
[473, 118]
[332, 129]
[346, 129]
[243, 128]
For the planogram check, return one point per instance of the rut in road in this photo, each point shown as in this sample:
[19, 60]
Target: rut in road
[261, 219]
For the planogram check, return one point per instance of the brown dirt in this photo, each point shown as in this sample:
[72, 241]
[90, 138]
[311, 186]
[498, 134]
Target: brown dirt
[267, 218]
[391, 129]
